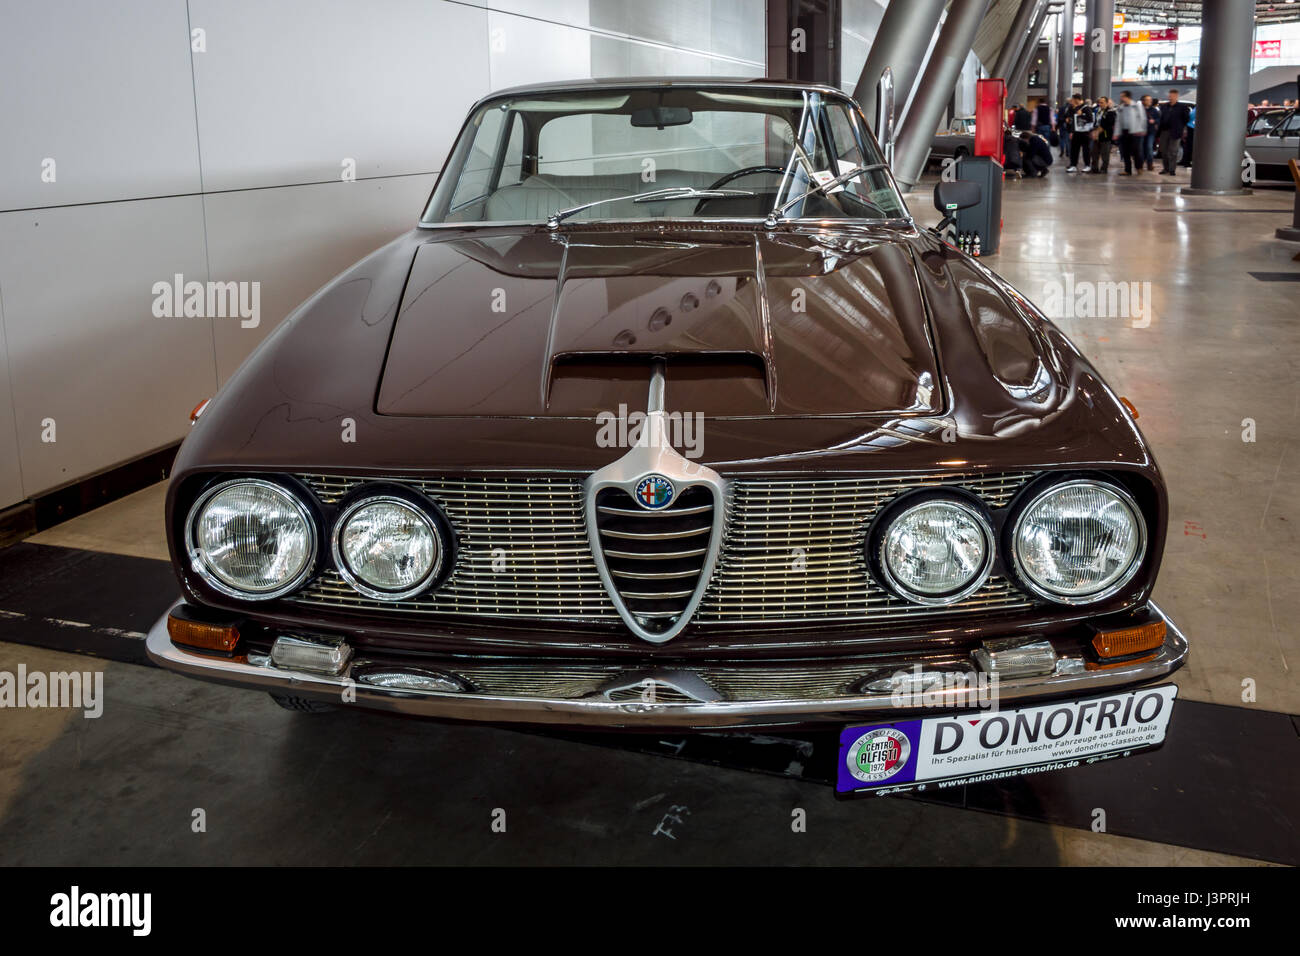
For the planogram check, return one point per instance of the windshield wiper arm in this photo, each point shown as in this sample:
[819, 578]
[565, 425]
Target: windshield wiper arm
[671, 192]
[778, 213]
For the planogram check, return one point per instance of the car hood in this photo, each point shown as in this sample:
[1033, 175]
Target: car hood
[567, 324]
[823, 347]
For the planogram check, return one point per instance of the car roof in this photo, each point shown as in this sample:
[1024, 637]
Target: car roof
[651, 82]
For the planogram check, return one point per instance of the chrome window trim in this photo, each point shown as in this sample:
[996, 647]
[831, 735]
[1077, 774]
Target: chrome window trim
[199, 565]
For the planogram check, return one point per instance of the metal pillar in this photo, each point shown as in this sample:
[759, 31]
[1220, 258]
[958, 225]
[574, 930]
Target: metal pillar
[1103, 58]
[1223, 86]
[1065, 56]
[1016, 87]
[950, 52]
[1011, 46]
[1089, 22]
[900, 45]
[1054, 63]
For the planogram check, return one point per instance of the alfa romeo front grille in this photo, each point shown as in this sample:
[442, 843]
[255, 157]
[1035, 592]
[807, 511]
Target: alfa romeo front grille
[655, 558]
[792, 553]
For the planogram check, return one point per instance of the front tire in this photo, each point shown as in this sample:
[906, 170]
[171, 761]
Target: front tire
[302, 705]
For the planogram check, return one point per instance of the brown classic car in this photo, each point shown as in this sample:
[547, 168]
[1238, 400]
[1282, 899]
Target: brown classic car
[668, 414]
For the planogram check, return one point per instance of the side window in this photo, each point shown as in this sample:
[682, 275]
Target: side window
[846, 145]
[1292, 126]
[474, 178]
[512, 169]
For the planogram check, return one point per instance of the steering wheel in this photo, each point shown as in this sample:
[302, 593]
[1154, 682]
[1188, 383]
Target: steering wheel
[738, 174]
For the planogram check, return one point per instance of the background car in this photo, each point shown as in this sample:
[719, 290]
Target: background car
[1272, 150]
[956, 141]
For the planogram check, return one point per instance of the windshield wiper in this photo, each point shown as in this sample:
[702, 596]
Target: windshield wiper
[777, 214]
[672, 192]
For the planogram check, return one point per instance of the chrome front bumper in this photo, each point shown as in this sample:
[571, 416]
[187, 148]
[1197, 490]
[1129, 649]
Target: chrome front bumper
[598, 711]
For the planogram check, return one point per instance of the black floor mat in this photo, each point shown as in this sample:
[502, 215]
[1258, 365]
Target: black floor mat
[1227, 779]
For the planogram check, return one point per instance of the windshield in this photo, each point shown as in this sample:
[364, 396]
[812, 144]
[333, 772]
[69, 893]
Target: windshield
[664, 153]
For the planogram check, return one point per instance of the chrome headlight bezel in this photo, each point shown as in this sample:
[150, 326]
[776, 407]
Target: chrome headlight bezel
[199, 564]
[1022, 509]
[878, 538]
[418, 505]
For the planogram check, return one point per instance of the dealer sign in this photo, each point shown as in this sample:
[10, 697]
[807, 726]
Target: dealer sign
[950, 750]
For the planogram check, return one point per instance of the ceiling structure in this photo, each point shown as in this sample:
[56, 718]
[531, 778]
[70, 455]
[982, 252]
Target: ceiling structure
[1188, 12]
[997, 22]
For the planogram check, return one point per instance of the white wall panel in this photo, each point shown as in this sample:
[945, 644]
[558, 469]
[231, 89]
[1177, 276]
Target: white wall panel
[11, 483]
[247, 139]
[535, 51]
[84, 346]
[288, 89]
[104, 90]
[723, 28]
[296, 238]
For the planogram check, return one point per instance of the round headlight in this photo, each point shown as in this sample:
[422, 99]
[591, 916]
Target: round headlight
[387, 548]
[1079, 541]
[251, 539]
[937, 552]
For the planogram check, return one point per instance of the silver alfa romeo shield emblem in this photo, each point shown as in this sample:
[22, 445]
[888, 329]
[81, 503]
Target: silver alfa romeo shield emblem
[654, 492]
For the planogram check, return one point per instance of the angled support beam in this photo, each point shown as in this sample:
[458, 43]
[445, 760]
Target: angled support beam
[950, 52]
[1012, 45]
[1018, 78]
[900, 45]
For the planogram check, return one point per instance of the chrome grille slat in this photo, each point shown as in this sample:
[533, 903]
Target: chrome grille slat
[792, 552]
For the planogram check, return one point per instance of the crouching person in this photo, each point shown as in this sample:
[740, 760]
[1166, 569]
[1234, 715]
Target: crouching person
[1035, 155]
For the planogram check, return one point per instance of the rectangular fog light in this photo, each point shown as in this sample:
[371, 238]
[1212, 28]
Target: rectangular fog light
[317, 655]
[1015, 657]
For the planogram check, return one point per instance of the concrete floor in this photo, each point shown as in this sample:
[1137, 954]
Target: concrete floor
[1221, 347]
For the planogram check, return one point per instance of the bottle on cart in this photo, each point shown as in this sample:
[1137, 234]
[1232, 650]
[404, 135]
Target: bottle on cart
[977, 245]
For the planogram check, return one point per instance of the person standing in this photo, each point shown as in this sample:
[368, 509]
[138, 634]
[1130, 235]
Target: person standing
[1080, 120]
[1190, 143]
[1172, 129]
[1131, 126]
[1043, 118]
[1024, 120]
[1149, 141]
[1105, 135]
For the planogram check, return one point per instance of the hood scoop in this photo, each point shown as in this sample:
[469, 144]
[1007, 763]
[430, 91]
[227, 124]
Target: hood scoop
[655, 520]
[522, 325]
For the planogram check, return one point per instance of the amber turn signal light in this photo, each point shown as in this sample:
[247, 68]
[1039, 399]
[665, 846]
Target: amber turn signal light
[1129, 640]
[207, 637]
[1132, 409]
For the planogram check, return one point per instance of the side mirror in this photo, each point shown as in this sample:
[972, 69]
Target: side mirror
[885, 114]
[950, 197]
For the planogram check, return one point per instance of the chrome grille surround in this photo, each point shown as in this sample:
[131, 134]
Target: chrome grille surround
[655, 558]
[792, 552]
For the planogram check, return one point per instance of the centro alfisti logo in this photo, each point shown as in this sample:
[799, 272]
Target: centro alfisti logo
[878, 754]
